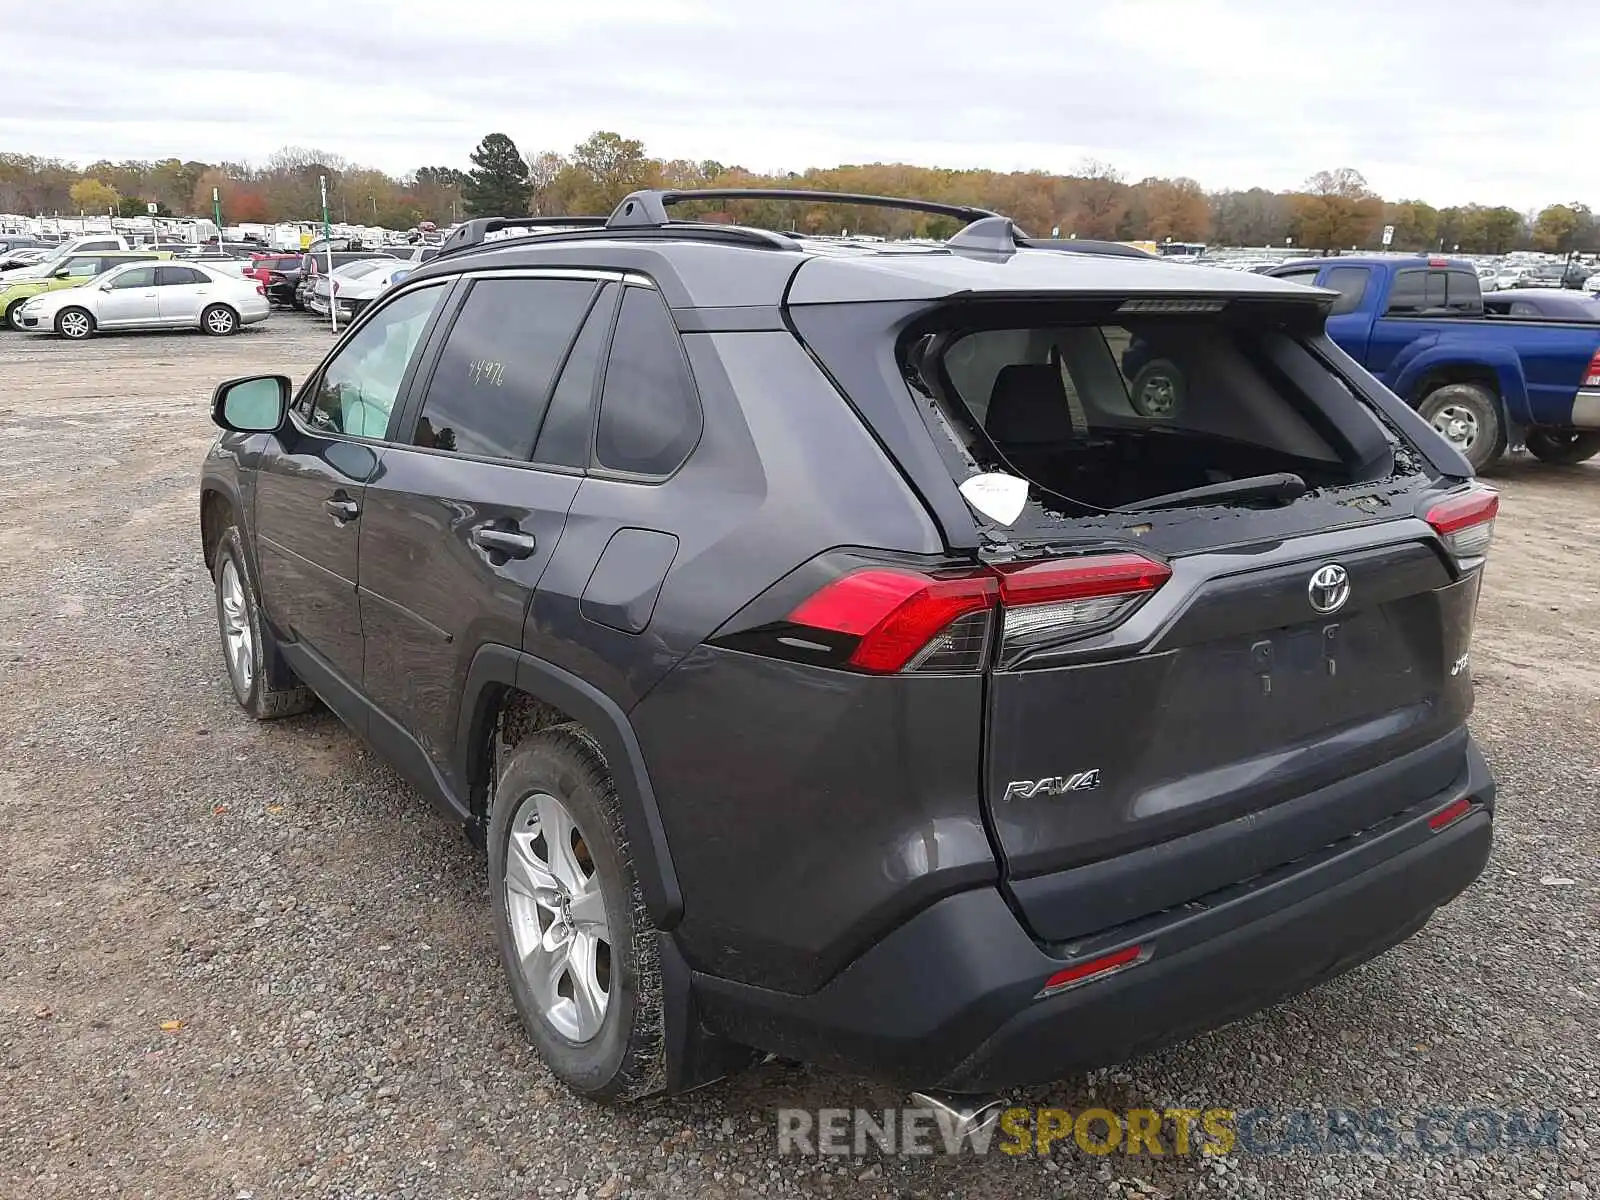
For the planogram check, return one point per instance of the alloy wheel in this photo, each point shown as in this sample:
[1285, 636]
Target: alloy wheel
[558, 917]
[1458, 424]
[238, 640]
[1158, 397]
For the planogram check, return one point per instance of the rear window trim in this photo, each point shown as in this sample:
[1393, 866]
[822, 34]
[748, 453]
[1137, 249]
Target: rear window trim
[957, 451]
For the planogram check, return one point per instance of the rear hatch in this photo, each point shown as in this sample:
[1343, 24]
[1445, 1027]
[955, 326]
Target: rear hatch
[1220, 598]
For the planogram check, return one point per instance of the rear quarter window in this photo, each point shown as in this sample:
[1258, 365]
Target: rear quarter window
[649, 410]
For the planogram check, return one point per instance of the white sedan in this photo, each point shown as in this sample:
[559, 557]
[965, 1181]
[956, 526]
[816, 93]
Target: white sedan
[144, 295]
[356, 285]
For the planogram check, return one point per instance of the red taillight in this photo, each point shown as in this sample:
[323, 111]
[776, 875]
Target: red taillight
[1092, 969]
[1591, 377]
[896, 614]
[1450, 814]
[335, 287]
[1465, 523]
[907, 620]
[261, 289]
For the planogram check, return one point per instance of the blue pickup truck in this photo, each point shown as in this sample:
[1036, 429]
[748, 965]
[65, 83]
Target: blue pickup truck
[1486, 382]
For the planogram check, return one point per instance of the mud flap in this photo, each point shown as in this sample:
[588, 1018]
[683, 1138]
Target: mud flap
[695, 1056]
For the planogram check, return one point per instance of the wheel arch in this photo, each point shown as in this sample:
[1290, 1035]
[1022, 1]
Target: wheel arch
[1496, 368]
[217, 512]
[507, 689]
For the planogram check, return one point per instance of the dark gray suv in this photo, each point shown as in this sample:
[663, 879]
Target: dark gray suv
[963, 664]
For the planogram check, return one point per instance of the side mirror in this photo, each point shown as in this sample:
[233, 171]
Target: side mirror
[62, 272]
[257, 404]
[105, 287]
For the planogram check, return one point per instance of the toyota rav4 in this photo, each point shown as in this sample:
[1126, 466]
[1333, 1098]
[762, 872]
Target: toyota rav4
[963, 664]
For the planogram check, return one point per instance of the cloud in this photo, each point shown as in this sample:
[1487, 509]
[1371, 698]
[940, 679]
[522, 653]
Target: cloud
[1444, 100]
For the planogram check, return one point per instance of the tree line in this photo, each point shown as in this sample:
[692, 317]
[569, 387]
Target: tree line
[1333, 209]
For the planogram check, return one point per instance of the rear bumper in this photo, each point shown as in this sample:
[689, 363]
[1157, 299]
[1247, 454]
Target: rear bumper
[1586, 410]
[949, 999]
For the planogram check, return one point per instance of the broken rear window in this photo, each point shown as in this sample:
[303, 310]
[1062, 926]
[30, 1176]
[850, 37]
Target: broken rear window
[1113, 413]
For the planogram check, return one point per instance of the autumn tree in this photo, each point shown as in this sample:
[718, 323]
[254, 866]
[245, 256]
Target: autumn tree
[90, 195]
[544, 172]
[497, 185]
[438, 193]
[1416, 225]
[1336, 209]
[1255, 217]
[1562, 228]
[1099, 198]
[1168, 210]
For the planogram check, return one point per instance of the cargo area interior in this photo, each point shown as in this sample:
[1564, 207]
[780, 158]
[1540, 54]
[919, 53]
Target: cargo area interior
[1103, 410]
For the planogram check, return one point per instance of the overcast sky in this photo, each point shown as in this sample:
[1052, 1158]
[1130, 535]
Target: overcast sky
[1447, 100]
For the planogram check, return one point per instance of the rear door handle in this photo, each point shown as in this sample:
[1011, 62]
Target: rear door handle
[342, 509]
[513, 543]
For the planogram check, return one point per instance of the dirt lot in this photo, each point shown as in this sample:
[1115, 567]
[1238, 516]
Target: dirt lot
[245, 960]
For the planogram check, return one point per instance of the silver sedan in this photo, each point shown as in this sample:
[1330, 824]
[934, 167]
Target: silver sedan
[143, 295]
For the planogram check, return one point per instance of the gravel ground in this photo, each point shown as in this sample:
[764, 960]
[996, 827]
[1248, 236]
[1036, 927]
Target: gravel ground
[246, 960]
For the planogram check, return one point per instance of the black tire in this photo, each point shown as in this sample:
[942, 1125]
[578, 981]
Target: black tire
[219, 320]
[13, 319]
[1563, 447]
[257, 696]
[626, 1058]
[1157, 390]
[76, 330]
[1484, 446]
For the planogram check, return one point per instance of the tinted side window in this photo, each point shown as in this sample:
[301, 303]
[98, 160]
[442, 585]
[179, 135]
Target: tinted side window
[170, 276]
[1306, 277]
[649, 412]
[564, 437]
[1521, 308]
[359, 385]
[1463, 294]
[1351, 284]
[1409, 292]
[490, 389]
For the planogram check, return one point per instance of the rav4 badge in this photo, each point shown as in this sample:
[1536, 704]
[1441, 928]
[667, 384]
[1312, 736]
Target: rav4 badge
[1055, 785]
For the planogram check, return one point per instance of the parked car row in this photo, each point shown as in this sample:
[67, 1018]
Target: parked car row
[75, 293]
[99, 281]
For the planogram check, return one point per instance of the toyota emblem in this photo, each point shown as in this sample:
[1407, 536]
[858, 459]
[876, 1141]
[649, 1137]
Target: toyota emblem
[1329, 588]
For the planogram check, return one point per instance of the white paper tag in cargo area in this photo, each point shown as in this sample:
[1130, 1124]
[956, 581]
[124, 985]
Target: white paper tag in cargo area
[997, 496]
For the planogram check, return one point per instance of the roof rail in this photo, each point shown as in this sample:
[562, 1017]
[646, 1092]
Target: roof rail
[649, 207]
[470, 234]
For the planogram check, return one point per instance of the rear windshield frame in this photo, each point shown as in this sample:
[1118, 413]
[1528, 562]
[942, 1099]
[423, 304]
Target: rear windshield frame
[1363, 441]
